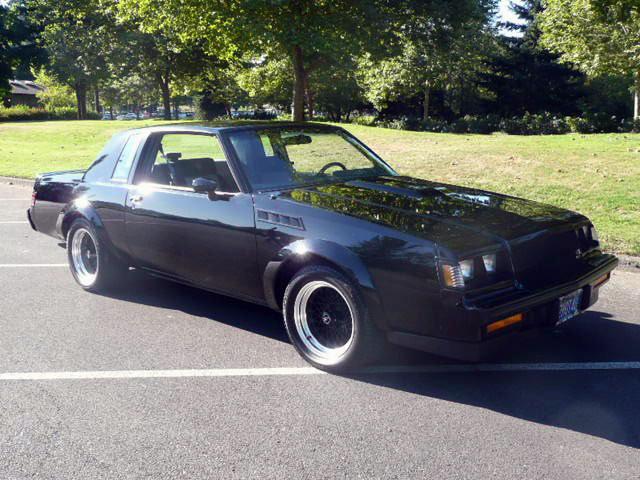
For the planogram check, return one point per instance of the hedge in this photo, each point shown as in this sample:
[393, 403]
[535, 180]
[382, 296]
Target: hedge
[20, 113]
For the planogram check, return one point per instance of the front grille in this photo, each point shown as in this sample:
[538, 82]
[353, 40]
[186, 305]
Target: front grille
[537, 258]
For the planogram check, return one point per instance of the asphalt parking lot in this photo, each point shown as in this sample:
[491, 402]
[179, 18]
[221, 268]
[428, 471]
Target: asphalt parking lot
[163, 381]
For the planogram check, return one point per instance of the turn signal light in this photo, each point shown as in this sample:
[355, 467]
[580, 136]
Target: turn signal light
[505, 322]
[601, 280]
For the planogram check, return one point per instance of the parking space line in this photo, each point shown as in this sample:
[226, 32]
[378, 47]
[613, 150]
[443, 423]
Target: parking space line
[30, 265]
[303, 371]
[13, 222]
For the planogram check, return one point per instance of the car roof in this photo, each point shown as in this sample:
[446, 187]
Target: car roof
[216, 127]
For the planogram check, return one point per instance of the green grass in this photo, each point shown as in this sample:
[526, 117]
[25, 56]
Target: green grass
[598, 175]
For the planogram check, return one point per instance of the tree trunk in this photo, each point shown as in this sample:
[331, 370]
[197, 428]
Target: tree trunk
[308, 95]
[176, 109]
[111, 117]
[227, 109]
[97, 99]
[81, 99]
[426, 100]
[636, 98]
[163, 83]
[298, 84]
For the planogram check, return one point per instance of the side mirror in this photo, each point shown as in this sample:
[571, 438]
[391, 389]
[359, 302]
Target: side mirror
[204, 185]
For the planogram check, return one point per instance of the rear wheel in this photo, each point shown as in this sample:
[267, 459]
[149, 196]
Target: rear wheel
[327, 321]
[93, 267]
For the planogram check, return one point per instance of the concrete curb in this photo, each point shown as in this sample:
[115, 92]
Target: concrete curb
[627, 262]
[22, 182]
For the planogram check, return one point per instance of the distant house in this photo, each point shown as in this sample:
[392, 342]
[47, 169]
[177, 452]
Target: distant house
[23, 92]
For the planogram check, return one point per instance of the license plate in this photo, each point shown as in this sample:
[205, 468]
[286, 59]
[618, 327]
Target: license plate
[569, 306]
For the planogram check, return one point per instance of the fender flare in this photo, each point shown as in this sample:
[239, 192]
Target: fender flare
[343, 259]
[82, 208]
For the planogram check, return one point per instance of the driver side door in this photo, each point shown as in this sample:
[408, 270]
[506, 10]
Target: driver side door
[198, 238]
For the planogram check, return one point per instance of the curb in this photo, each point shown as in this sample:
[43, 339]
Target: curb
[627, 262]
[22, 182]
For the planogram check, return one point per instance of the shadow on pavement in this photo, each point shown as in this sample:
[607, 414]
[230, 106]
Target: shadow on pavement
[602, 403]
[147, 290]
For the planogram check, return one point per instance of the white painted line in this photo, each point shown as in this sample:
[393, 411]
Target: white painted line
[29, 265]
[223, 372]
[14, 222]
[298, 371]
[15, 199]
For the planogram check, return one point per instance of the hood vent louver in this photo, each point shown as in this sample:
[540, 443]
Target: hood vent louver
[279, 219]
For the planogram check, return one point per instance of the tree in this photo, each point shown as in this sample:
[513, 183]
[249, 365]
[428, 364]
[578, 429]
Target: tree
[55, 94]
[437, 41]
[18, 49]
[310, 33]
[77, 36]
[599, 36]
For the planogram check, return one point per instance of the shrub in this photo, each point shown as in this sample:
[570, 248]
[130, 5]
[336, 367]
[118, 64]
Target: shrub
[366, 120]
[20, 113]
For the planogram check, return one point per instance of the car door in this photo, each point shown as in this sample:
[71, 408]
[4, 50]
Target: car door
[206, 240]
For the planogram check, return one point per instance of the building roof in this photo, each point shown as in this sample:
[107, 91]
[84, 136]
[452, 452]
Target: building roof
[24, 87]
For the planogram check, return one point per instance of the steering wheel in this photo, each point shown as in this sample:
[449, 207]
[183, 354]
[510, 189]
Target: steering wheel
[329, 165]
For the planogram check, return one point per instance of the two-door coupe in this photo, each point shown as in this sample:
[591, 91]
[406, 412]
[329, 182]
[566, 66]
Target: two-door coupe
[309, 221]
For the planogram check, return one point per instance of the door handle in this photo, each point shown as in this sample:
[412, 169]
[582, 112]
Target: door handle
[135, 200]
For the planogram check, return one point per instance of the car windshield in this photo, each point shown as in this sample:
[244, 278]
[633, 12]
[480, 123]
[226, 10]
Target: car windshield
[275, 158]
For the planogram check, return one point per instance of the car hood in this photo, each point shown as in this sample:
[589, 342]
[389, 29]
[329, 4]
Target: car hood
[423, 208]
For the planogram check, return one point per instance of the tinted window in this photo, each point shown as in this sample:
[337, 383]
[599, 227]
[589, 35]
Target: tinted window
[128, 154]
[277, 158]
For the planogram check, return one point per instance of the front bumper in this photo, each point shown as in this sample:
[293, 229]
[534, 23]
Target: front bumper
[539, 308]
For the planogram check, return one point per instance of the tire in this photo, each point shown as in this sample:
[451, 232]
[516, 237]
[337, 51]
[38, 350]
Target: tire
[327, 321]
[92, 265]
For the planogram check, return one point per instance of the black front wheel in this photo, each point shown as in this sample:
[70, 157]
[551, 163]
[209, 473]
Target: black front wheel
[93, 267]
[327, 321]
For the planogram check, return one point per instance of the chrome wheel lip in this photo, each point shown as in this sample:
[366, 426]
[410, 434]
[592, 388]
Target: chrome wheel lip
[85, 274]
[320, 353]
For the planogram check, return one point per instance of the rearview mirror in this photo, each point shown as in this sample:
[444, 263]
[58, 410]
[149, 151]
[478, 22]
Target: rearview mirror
[204, 185]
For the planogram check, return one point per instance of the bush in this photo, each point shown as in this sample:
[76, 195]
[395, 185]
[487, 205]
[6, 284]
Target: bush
[21, 113]
[528, 124]
[535, 124]
[366, 120]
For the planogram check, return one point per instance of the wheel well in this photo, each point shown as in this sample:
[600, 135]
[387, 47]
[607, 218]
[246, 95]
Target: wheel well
[293, 266]
[67, 222]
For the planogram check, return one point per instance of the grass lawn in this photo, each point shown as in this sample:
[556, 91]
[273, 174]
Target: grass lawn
[598, 175]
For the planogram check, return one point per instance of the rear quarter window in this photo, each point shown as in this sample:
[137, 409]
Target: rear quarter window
[127, 156]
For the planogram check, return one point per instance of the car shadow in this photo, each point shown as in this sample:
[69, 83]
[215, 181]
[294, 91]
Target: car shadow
[148, 290]
[602, 403]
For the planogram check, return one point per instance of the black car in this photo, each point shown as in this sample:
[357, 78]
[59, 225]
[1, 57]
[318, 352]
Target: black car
[309, 221]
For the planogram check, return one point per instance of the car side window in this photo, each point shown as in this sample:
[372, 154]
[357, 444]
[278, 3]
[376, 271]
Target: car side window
[127, 156]
[180, 158]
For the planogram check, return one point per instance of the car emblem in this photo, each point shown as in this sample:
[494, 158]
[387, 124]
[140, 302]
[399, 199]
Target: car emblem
[326, 318]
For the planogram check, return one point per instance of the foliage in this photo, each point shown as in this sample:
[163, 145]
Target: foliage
[20, 113]
[600, 36]
[55, 94]
[433, 53]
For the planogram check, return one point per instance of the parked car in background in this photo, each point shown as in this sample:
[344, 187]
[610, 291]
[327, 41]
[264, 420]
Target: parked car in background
[309, 221]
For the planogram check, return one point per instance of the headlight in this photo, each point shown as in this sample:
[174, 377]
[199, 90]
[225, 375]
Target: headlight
[490, 262]
[478, 271]
[466, 267]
